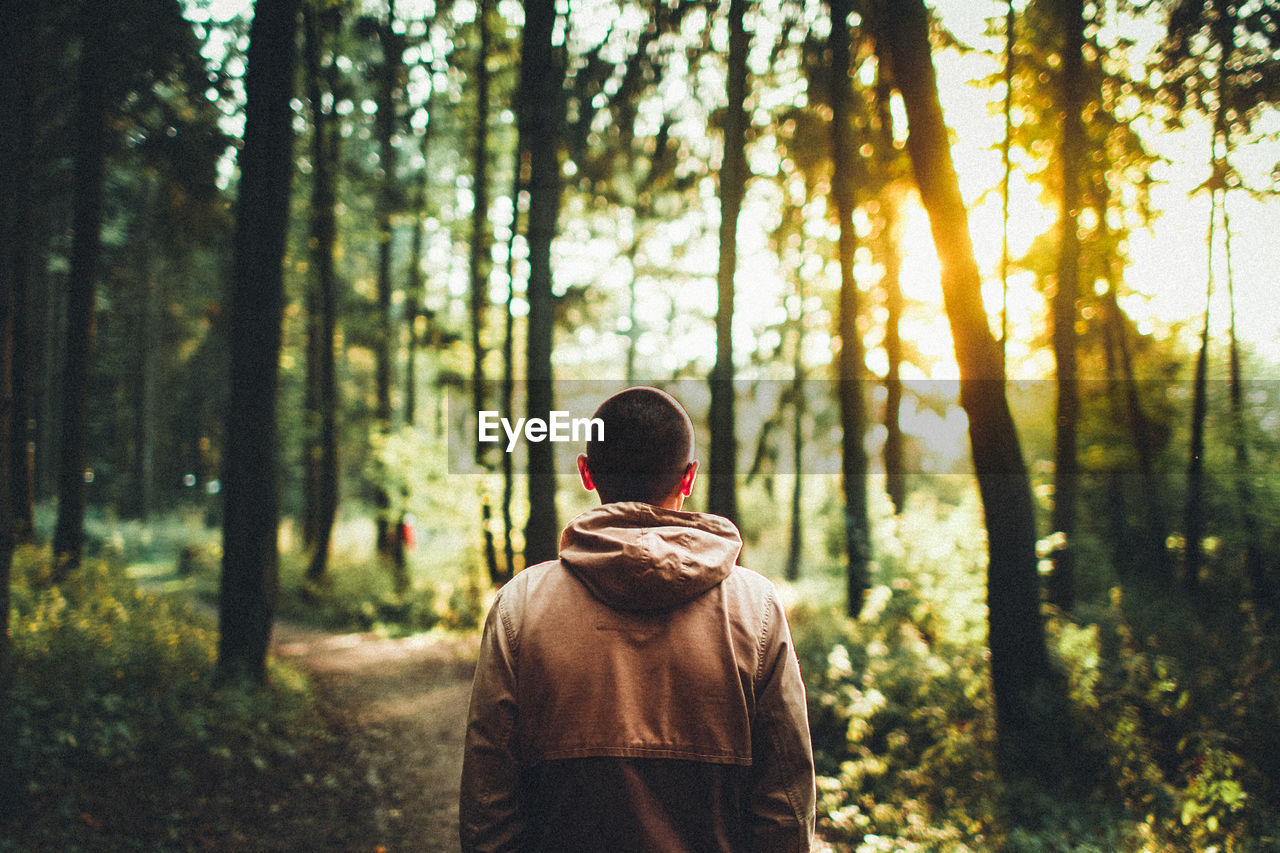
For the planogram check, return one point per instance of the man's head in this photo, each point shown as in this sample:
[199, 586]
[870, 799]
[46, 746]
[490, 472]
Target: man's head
[646, 452]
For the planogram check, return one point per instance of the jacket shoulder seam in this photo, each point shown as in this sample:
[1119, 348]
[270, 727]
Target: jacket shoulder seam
[762, 641]
[508, 628]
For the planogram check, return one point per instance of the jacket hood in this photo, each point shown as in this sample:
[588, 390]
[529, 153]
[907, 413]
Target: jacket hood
[636, 556]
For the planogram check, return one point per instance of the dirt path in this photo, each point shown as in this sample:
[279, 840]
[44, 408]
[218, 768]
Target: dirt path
[402, 703]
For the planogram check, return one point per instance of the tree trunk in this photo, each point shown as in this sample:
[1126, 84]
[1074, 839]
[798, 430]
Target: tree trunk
[322, 455]
[250, 488]
[1122, 551]
[15, 81]
[722, 470]
[481, 262]
[415, 286]
[480, 237]
[10, 784]
[895, 469]
[633, 323]
[1261, 587]
[17, 243]
[541, 120]
[389, 543]
[1193, 513]
[1027, 694]
[1006, 144]
[895, 472]
[388, 85]
[853, 407]
[795, 543]
[1061, 583]
[1154, 553]
[148, 333]
[509, 368]
[86, 241]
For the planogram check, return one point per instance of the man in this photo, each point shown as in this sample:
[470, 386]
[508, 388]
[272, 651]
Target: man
[641, 693]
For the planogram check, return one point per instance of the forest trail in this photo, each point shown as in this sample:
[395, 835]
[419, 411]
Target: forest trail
[402, 705]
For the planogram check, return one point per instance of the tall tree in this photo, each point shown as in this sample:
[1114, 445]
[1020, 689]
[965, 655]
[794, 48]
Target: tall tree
[851, 363]
[17, 260]
[799, 411]
[1262, 586]
[479, 259]
[1194, 511]
[480, 262]
[1061, 585]
[1125, 396]
[506, 393]
[1027, 695]
[14, 89]
[895, 473]
[390, 541]
[541, 117]
[722, 470]
[250, 561]
[1006, 160]
[1219, 59]
[97, 22]
[415, 286]
[322, 387]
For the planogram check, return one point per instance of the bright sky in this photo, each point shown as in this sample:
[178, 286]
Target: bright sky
[1169, 263]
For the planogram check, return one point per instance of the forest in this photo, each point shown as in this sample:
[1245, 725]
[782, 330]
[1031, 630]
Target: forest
[971, 304]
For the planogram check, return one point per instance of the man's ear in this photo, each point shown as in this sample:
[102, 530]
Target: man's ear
[585, 473]
[687, 479]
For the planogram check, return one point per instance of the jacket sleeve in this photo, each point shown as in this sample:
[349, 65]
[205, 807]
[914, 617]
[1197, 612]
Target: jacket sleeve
[782, 796]
[490, 816]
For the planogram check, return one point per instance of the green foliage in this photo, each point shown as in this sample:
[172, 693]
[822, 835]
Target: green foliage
[114, 692]
[903, 722]
[359, 595]
[899, 699]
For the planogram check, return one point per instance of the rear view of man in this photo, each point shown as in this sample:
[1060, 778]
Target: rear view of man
[641, 693]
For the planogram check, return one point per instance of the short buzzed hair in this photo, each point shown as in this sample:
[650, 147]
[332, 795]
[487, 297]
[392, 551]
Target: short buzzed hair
[646, 446]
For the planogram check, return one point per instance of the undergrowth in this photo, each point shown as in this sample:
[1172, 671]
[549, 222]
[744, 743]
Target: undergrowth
[905, 741]
[123, 739]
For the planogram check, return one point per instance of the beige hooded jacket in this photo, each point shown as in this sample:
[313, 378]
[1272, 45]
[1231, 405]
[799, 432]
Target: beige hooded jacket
[641, 693]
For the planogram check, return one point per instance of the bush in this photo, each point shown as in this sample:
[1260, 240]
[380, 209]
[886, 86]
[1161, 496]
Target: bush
[903, 719]
[360, 596]
[113, 692]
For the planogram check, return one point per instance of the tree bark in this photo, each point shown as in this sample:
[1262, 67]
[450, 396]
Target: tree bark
[851, 364]
[389, 541]
[250, 490]
[322, 454]
[17, 240]
[1261, 586]
[508, 387]
[415, 286]
[1061, 583]
[14, 138]
[480, 261]
[1193, 512]
[1154, 560]
[795, 541]
[1027, 695]
[1006, 144]
[722, 470]
[86, 242]
[150, 268]
[895, 472]
[541, 121]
